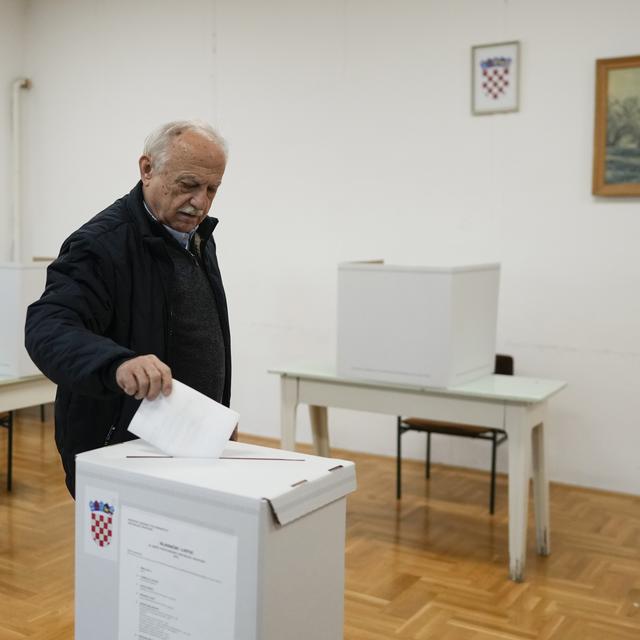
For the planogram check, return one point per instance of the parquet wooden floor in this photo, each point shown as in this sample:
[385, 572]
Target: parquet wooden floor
[431, 567]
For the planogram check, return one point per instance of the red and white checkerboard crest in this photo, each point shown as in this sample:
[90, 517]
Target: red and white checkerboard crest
[496, 78]
[101, 522]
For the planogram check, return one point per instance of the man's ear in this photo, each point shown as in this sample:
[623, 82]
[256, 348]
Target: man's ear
[145, 169]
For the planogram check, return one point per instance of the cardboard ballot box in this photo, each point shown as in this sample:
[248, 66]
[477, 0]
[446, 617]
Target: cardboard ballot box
[424, 326]
[20, 284]
[246, 547]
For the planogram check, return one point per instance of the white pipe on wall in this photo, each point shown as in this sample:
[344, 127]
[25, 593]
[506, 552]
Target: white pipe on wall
[20, 83]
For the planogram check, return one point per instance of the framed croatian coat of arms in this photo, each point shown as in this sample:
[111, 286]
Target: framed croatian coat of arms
[495, 78]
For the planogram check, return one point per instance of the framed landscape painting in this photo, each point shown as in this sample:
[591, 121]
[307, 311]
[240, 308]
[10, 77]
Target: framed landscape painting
[616, 148]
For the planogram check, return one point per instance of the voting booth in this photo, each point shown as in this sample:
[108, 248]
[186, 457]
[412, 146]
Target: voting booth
[424, 326]
[249, 546]
[20, 284]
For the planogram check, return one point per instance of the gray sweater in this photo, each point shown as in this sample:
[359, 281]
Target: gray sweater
[196, 347]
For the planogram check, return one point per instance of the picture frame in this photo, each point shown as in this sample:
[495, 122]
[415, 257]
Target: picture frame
[495, 78]
[616, 145]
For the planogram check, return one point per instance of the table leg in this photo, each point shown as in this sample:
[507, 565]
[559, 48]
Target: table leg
[519, 443]
[541, 492]
[320, 430]
[288, 406]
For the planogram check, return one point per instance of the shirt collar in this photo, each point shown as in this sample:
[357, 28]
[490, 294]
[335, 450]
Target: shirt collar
[183, 237]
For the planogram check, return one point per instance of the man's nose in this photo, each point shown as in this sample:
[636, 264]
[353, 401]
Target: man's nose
[199, 199]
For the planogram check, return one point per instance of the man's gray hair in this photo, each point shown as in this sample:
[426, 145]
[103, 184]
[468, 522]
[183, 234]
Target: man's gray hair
[156, 146]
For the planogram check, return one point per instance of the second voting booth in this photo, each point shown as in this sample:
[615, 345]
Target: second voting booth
[422, 326]
[249, 546]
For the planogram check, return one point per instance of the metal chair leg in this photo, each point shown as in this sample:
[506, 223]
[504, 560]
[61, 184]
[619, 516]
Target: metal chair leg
[399, 462]
[428, 465]
[494, 447]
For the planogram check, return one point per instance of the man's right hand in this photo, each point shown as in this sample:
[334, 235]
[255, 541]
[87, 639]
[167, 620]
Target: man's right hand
[144, 377]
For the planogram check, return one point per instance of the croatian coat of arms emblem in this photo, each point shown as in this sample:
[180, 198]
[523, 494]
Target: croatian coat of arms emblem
[495, 76]
[101, 522]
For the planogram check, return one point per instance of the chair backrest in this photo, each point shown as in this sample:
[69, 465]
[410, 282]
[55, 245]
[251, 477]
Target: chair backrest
[504, 365]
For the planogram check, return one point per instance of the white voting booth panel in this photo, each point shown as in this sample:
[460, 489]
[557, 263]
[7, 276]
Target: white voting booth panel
[427, 326]
[237, 548]
[20, 284]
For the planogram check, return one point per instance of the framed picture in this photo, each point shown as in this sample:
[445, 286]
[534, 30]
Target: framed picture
[495, 78]
[616, 146]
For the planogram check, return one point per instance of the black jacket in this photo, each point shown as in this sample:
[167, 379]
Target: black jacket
[108, 299]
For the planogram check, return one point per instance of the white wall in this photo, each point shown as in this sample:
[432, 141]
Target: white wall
[104, 74]
[12, 51]
[351, 137]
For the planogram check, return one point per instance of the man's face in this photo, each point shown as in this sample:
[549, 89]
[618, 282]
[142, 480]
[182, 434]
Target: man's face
[181, 192]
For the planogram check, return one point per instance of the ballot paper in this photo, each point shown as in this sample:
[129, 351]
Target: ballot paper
[185, 423]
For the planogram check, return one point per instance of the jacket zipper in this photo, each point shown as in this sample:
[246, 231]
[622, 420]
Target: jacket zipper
[114, 424]
[112, 428]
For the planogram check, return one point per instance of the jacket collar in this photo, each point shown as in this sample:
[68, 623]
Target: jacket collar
[149, 228]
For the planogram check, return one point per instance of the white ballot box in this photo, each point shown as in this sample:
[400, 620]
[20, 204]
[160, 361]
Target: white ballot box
[20, 285]
[246, 547]
[423, 326]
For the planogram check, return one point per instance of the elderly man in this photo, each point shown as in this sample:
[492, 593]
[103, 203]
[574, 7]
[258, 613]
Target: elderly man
[135, 297]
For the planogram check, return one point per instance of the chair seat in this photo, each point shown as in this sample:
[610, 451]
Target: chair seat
[436, 426]
[503, 366]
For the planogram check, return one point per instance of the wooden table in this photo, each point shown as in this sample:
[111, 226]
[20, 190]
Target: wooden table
[18, 393]
[516, 404]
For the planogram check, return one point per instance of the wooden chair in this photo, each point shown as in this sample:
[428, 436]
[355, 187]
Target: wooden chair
[503, 366]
